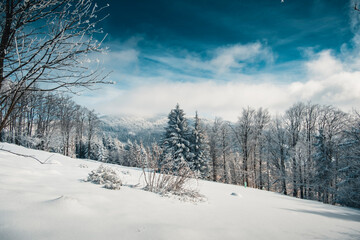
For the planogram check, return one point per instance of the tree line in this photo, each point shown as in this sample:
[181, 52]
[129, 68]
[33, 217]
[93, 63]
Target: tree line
[55, 123]
[309, 152]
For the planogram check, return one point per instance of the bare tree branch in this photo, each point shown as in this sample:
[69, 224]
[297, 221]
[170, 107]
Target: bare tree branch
[27, 156]
[47, 45]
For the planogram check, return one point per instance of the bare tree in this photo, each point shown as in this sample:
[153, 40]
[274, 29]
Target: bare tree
[261, 119]
[44, 46]
[293, 120]
[214, 136]
[93, 122]
[66, 120]
[331, 124]
[225, 150]
[279, 152]
[311, 113]
[243, 134]
[46, 117]
[81, 115]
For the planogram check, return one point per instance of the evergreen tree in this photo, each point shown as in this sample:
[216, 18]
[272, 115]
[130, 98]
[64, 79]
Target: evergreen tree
[176, 144]
[200, 150]
[133, 154]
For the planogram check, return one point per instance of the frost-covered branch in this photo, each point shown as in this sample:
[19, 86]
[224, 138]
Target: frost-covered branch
[46, 45]
[26, 156]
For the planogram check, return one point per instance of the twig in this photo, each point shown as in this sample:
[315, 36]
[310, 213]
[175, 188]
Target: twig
[48, 158]
[26, 156]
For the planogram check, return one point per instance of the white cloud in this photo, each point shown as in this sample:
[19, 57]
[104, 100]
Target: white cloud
[124, 57]
[324, 65]
[209, 98]
[238, 56]
[328, 79]
[120, 59]
[221, 62]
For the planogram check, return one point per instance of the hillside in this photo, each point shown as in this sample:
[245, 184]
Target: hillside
[51, 201]
[140, 129]
[132, 128]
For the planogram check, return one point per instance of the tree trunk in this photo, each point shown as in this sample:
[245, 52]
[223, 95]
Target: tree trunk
[261, 184]
[283, 171]
[295, 192]
[214, 167]
[6, 32]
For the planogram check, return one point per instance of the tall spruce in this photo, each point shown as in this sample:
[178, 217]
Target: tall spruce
[200, 150]
[176, 143]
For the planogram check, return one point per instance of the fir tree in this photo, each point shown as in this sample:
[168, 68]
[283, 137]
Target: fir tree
[176, 144]
[200, 150]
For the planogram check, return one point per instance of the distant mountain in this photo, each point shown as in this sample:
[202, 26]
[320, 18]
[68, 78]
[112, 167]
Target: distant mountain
[134, 128]
[140, 129]
[135, 123]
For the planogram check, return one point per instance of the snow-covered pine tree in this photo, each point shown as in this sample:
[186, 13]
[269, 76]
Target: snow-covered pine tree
[176, 144]
[134, 154]
[200, 161]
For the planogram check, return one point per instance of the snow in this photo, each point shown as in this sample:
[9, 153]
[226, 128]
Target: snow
[52, 201]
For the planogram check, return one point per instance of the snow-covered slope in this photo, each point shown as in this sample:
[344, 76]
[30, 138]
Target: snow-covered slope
[51, 201]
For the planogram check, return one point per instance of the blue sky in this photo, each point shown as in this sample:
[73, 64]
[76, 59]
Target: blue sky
[220, 56]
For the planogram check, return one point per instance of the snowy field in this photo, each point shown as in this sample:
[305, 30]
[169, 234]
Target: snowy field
[51, 201]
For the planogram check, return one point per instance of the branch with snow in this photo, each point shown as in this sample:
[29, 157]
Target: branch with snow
[27, 156]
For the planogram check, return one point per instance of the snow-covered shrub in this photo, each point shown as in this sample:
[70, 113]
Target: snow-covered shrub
[83, 165]
[178, 184]
[113, 186]
[105, 175]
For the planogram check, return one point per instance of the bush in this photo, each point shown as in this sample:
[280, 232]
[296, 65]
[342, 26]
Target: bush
[105, 175]
[171, 183]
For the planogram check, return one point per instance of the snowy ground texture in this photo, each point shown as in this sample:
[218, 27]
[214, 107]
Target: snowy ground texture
[51, 201]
